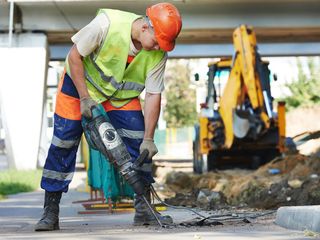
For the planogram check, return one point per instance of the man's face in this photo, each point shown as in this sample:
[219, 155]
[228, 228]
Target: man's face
[148, 40]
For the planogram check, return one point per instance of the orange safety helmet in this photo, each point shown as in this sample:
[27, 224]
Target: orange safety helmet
[166, 22]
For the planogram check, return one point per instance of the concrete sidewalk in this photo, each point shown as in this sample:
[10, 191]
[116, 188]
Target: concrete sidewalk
[20, 212]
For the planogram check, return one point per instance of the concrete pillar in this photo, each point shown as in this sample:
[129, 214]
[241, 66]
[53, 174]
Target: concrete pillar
[22, 93]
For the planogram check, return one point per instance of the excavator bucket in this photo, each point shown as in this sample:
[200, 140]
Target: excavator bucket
[240, 125]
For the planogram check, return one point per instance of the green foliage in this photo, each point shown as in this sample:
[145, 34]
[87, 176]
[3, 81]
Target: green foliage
[180, 109]
[13, 181]
[305, 91]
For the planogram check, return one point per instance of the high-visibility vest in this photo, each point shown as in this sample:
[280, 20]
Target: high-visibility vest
[107, 76]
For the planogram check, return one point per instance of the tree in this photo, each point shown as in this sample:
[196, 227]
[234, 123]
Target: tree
[305, 90]
[180, 108]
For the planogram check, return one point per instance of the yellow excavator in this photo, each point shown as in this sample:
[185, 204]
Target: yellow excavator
[237, 124]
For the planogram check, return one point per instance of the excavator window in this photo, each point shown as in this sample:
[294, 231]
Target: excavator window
[220, 79]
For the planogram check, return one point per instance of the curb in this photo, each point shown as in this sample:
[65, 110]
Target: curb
[299, 218]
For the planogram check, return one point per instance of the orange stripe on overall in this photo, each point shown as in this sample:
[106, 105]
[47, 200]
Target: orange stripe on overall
[66, 106]
[133, 105]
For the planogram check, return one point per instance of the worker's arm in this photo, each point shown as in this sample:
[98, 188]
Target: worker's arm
[151, 113]
[77, 72]
[77, 76]
[151, 116]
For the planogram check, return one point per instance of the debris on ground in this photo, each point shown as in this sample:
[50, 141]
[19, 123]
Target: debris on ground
[230, 216]
[285, 181]
[309, 233]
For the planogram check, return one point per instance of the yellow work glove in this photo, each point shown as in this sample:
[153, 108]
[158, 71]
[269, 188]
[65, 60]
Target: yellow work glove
[86, 103]
[148, 144]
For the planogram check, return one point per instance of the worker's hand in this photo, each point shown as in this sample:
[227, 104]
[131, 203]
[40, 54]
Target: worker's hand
[86, 103]
[148, 144]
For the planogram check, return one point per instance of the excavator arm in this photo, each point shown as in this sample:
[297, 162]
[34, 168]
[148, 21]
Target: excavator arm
[243, 83]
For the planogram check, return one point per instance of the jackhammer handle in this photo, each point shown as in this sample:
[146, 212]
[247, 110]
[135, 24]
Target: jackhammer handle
[141, 158]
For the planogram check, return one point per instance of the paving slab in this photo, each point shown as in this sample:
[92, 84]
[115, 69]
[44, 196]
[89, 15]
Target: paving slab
[299, 217]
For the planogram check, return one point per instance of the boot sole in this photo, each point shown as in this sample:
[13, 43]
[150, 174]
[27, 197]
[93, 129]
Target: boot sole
[145, 224]
[43, 229]
[151, 223]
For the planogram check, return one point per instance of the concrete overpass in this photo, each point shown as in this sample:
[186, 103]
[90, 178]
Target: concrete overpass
[32, 32]
[283, 27]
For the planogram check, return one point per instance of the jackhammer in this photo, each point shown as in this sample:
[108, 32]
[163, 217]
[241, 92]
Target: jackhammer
[102, 136]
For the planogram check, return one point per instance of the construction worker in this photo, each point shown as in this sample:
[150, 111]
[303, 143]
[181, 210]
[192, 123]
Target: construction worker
[113, 59]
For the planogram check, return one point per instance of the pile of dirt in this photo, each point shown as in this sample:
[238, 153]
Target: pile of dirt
[285, 181]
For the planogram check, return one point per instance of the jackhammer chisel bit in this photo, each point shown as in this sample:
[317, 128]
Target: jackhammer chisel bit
[152, 210]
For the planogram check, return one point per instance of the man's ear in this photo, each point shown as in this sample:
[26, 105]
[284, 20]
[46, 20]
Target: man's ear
[144, 27]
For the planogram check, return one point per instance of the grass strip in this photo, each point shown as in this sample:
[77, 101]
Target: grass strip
[15, 181]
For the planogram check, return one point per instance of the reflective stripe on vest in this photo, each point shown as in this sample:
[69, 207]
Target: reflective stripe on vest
[118, 86]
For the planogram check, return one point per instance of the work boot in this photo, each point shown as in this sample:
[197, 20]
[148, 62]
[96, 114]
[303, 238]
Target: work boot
[50, 217]
[144, 216]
